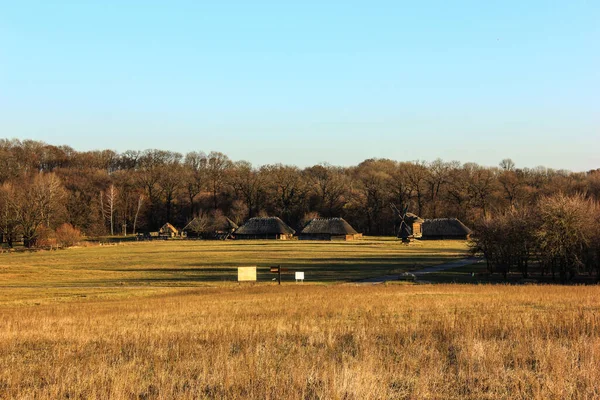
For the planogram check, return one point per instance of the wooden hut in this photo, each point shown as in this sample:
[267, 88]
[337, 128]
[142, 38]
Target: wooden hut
[328, 229]
[411, 227]
[415, 223]
[445, 228]
[264, 228]
[210, 227]
[168, 231]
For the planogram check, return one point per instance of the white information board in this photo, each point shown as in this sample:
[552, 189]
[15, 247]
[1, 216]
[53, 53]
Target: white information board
[246, 274]
[299, 275]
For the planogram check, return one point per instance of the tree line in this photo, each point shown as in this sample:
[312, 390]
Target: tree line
[106, 192]
[559, 235]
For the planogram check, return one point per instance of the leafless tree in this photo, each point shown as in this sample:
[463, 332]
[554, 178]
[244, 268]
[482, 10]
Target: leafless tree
[137, 211]
[108, 201]
[195, 177]
[247, 182]
[217, 166]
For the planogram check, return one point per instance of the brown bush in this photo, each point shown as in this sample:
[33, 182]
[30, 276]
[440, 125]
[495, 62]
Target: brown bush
[45, 238]
[67, 235]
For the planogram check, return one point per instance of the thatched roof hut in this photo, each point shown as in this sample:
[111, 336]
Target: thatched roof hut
[328, 229]
[168, 230]
[445, 228]
[210, 227]
[264, 228]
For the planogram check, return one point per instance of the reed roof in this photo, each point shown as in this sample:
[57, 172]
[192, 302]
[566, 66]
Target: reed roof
[332, 226]
[264, 226]
[445, 227]
[211, 224]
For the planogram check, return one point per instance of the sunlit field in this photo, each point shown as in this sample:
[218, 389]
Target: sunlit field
[167, 320]
[188, 263]
[305, 342]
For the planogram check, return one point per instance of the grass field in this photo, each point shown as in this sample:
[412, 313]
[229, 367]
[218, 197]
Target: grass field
[307, 342]
[166, 320]
[168, 263]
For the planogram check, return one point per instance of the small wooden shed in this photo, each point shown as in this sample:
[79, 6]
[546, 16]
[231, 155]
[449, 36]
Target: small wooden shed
[328, 229]
[264, 228]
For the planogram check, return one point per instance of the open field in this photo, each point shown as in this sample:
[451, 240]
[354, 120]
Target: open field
[306, 342]
[189, 263]
[165, 320]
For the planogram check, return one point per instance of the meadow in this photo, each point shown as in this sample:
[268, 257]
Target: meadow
[110, 322]
[190, 262]
[307, 342]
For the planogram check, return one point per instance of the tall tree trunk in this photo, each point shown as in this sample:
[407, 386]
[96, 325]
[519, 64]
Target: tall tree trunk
[137, 212]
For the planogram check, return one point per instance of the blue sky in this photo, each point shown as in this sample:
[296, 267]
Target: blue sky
[308, 82]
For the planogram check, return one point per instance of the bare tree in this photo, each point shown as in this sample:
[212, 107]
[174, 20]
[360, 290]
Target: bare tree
[171, 179]
[195, 177]
[287, 191]
[436, 178]
[137, 211]
[507, 164]
[36, 203]
[247, 183]
[329, 184]
[566, 231]
[108, 201]
[8, 214]
[218, 164]
[416, 174]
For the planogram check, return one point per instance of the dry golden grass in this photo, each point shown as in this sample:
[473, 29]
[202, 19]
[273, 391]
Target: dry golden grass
[305, 342]
[193, 263]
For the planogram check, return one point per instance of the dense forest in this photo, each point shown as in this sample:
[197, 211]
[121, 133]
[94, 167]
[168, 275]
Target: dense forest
[106, 192]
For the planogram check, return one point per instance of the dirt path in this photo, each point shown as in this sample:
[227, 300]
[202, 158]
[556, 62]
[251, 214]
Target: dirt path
[436, 268]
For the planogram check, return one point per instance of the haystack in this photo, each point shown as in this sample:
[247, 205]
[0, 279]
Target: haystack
[328, 229]
[264, 228]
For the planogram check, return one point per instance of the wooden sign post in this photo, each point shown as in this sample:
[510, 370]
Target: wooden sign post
[278, 270]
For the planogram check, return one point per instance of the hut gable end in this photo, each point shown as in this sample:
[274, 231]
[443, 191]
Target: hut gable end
[168, 230]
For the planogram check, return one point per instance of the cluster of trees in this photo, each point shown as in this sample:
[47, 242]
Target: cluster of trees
[105, 192]
[560, 234]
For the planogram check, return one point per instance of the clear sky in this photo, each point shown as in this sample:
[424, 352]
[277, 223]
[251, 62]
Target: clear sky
[308, 81]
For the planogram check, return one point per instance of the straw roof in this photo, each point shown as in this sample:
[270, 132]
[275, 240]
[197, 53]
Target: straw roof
[332, 226]
[264, 226]
[211, 224]
[168, 228]
[444, 227]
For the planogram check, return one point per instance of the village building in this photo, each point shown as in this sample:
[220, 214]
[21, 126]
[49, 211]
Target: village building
[328, 229]
[210, 227]
[410, 227]
[445, 228]
[264, 228]
[168, 231]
